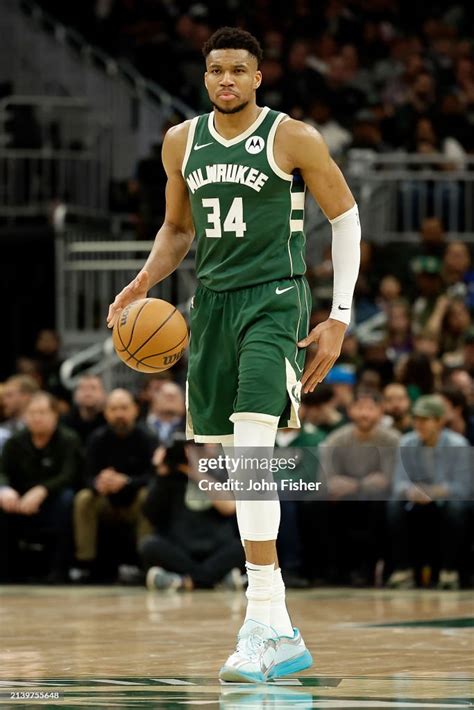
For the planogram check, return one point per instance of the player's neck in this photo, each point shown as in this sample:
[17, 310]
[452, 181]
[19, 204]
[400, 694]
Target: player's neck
[230, 125]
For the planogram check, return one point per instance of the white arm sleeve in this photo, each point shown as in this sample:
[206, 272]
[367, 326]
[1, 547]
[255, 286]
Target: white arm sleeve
[345, 261]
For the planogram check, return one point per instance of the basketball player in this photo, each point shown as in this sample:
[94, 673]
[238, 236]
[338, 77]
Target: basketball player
[236, 180]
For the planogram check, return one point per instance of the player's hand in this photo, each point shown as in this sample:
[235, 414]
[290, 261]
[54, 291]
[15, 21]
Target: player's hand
[328, 337]
[136, 289]
[9, 499]
[31, 501]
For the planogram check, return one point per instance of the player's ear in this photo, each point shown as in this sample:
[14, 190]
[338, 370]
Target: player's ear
[258, 79]
[205, 79]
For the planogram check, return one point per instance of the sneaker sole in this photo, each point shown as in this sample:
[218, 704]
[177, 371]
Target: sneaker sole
[232, 675]
[292, 665]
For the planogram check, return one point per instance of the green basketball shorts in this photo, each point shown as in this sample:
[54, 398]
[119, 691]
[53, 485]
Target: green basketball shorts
[243, 356]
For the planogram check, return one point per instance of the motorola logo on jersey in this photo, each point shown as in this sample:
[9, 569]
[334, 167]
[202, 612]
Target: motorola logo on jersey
[254, 144]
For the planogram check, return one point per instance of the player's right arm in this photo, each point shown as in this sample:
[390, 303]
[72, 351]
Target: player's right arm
[175, 236]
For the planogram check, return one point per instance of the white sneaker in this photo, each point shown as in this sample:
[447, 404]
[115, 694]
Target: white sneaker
[159, 578]
[401, 579]
[254, 656]
[292, 656]
[448, 579]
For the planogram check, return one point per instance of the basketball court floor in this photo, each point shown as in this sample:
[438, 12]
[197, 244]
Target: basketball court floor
[120, 647]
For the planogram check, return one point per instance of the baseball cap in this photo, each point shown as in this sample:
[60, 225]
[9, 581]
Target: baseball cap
[341, 375]
[430, 405]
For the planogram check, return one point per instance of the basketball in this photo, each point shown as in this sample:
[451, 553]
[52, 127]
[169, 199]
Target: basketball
[150, 335]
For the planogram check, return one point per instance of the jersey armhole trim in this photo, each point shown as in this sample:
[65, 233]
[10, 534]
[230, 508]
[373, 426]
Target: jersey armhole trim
[189, 142]
[270, 154]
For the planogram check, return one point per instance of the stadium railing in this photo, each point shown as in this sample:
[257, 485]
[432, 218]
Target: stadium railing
[40, 56]
[31, 178]
[395, 191]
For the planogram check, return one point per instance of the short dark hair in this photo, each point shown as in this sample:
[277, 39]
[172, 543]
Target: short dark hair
[366, 393]
[233, 38]
[323, 394]
[455, 396]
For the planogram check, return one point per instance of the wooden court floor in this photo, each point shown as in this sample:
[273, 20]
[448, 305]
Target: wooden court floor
[119, 647]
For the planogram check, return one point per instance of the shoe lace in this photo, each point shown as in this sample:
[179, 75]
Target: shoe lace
[250, 646]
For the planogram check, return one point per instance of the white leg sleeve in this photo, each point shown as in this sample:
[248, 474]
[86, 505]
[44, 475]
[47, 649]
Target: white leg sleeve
[258, 520]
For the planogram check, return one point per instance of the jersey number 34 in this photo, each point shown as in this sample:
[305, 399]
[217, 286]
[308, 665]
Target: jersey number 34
[233, 222]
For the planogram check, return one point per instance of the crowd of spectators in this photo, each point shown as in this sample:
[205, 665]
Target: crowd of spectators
[103, 481]
[107, 485]
[373, 76]
[383, 73]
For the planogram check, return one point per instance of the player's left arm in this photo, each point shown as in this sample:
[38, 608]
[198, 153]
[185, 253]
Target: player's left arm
[306, 150]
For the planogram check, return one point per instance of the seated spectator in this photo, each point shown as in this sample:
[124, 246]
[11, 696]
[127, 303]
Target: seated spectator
[302, 444]
[398, 339]
[459, 416]
[416, 373]
[167, 413]
[194, 544]
[429, 287]
[150, 385]
[47, 356]
[468, 351]
[319, 409]
[396, 406]
[456, 264]
[358, 461]
[370, 379]
[342, 378]
[320, 116]
[432, 477]
[118, 470]
[432, 239]
[426, 343]
[40, 467]
[86, 414]
[16, 395]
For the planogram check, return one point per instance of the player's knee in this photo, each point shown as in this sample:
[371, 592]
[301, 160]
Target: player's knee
[258, 520]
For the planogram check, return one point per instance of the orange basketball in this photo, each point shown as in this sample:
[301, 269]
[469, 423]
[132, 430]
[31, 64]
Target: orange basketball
[150, 335]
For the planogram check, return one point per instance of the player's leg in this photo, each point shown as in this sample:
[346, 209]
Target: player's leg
[212, 369]
[264, 395]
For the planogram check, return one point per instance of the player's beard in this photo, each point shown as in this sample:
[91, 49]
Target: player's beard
[236, 109]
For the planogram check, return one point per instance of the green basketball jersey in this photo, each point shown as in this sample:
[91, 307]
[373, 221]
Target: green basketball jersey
[248, 213]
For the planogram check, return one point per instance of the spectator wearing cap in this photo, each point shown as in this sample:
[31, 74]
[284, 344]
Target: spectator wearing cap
[429, 287]
[430, 487]
[342, 378]
[357, 461]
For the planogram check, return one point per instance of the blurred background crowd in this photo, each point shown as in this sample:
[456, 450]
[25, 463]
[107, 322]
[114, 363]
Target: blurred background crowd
[99, 485]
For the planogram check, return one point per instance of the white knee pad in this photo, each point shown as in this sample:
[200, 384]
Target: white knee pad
[258, 520]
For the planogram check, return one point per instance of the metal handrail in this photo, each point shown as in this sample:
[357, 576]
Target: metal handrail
[108, 64]
[103, 350]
